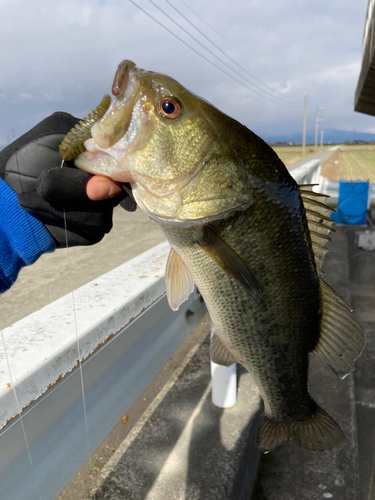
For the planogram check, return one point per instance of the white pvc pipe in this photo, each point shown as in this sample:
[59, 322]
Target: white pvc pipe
[224, 384]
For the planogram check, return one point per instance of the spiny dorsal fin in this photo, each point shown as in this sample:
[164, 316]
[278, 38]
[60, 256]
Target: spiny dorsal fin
[219, 353]
[319, 221]
[178, 281]
[229, 261]
[341, 338]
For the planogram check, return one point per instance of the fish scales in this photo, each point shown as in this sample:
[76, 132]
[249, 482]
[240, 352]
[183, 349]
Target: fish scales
[242, 231]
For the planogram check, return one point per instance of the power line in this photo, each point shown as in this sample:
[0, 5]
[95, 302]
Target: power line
[204, 57]
[218, 58]
[273, 92]
[230, 43]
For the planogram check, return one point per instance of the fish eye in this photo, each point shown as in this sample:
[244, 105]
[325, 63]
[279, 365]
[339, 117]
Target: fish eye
[169, 108]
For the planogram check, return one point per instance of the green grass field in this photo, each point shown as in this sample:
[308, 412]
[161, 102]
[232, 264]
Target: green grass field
[289, 154]
[358, 163]
[355, 162]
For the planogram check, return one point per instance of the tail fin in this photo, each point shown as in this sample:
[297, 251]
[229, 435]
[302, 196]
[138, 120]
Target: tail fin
[319, 432]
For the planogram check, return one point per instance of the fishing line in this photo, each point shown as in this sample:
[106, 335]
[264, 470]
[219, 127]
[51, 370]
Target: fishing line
[234, 47]
[77, 338]
[371, 490]
[19, 409]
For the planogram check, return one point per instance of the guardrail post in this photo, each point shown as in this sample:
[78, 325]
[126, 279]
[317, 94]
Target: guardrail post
[224, 383]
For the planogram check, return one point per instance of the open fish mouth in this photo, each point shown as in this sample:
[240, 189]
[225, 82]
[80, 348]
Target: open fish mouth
[113, 134]
[114, 124]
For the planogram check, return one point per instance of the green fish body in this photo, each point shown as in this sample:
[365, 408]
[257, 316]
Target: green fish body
[244, 233]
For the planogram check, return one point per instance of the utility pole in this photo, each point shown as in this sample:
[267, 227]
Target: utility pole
[316, 126]
[317, 120]
[321, 139]
[304, 126]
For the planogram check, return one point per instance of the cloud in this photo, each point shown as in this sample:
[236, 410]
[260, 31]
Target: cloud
[339, 75]
[69, 64]
[53, 95]
[24, 97]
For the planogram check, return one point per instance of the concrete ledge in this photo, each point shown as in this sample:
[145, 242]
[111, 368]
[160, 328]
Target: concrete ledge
[184, 447]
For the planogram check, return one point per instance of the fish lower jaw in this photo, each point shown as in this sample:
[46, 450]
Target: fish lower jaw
[101, 163]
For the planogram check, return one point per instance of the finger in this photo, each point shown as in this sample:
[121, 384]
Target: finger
[63, 186]
[65, 189]
[100, 188]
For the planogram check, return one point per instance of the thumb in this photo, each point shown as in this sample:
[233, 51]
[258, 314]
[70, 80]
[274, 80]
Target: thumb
[100, 187]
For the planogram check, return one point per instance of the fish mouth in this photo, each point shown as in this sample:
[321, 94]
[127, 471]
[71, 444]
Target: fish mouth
[109, 129]
[126, 69]
[111, 135]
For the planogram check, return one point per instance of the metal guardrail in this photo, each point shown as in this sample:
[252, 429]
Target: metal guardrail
[308, 173]
[126, 333]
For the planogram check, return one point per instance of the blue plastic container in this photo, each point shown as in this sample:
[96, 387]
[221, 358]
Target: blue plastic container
[353, 202]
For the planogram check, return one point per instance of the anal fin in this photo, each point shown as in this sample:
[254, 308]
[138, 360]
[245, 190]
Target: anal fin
[178, 281]
[219, 353]
[342, 337]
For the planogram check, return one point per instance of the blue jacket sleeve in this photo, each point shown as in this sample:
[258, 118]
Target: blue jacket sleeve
[23, 238]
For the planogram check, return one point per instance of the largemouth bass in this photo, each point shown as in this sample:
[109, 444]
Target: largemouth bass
[242, 231]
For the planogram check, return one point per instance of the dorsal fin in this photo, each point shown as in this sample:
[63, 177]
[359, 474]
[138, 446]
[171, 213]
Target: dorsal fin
[342, 338]
[319, 221]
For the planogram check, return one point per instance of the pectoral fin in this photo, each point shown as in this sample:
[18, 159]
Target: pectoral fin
[178, 281]
[229, 261]
[219, 353]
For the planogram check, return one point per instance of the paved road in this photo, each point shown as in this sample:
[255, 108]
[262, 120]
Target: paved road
[62, 271]
[322, 156]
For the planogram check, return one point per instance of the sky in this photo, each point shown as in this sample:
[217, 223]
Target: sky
[62, 56]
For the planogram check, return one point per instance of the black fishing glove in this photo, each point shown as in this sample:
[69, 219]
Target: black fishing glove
[31, 167]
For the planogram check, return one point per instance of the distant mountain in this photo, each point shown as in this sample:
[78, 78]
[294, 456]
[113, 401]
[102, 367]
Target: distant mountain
[330, 135]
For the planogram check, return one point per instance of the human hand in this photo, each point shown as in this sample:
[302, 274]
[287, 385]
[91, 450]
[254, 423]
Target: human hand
[61, 198]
